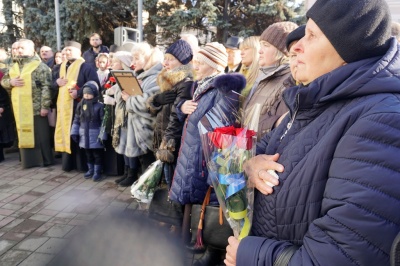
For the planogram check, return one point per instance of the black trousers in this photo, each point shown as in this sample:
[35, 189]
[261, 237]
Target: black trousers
[42, 153]
[113, 162]
[94, 156]
[74, 161]
[146, 159]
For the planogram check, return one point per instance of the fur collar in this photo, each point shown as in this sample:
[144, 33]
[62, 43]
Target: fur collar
[167, 79]
[230, 81]
[224, 82]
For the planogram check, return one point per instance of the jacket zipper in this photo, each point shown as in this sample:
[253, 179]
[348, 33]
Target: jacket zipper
[290, 123]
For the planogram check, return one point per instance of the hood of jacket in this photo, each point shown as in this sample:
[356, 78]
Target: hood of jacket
[230, 81]
[225, 82]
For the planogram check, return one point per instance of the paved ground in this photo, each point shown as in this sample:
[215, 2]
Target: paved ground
[41, 208]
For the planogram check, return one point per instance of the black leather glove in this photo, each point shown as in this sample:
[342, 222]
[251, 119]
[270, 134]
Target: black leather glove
[165, 97]
[166, 151]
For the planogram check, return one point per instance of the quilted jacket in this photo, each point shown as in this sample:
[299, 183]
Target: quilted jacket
[88, 131]
[190, 179]
[338, 200]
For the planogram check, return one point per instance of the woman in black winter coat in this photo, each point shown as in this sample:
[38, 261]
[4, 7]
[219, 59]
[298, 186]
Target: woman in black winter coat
[175, 81]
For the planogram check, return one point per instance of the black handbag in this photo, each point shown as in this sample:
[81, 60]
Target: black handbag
[209, 225]
[164, 210]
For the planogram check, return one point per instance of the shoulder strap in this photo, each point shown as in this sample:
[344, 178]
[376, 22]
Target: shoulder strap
[203, 207]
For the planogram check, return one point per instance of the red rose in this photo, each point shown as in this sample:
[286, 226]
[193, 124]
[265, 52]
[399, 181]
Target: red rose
[222, 137]
[112, 79]
[231, 130]
[107, 85]
[244, 132]
[244, 138]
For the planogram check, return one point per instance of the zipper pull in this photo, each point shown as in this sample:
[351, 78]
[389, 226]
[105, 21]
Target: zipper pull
[290, 123]
[288, 126]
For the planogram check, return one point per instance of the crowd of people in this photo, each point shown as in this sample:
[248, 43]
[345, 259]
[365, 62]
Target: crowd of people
[329, 97]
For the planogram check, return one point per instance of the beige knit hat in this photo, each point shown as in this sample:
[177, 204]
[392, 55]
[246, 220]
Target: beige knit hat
[276, 34]
[214, 54]
[124, 57]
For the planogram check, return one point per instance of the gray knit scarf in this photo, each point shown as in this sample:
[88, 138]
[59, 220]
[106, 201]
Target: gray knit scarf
[203, 84]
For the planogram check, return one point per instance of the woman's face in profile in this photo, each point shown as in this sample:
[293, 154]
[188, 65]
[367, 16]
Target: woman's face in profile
[138, 61]
[293, 61]
[203, 70]
[246, 54]
[315, 55]
[268, 54]
[116, 64]
[58, 58]
[170, 62]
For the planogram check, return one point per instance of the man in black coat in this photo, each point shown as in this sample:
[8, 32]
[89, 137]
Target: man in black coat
[97, 47]
[234, 57]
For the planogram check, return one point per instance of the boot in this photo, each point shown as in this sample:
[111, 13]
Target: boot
[125, 175]
[97, 173]
[1, 154]
[90, 172]
[132, 177]
[211, 257]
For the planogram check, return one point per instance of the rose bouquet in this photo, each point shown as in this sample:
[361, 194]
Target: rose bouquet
[108, 110]
[143, 188]
[226, 149]
[110, 82]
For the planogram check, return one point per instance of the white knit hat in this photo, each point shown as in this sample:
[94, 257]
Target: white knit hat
[214, 54]
[124, 57]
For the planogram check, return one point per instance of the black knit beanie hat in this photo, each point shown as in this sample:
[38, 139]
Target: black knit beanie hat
[181, 50]
[357, 29]
[295, 35]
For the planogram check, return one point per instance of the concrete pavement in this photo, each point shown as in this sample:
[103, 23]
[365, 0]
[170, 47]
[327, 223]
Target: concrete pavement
[41, 208]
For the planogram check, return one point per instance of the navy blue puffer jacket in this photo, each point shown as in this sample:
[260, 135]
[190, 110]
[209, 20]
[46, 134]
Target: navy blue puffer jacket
[190, 179]
[88, 131]
[338, 199]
